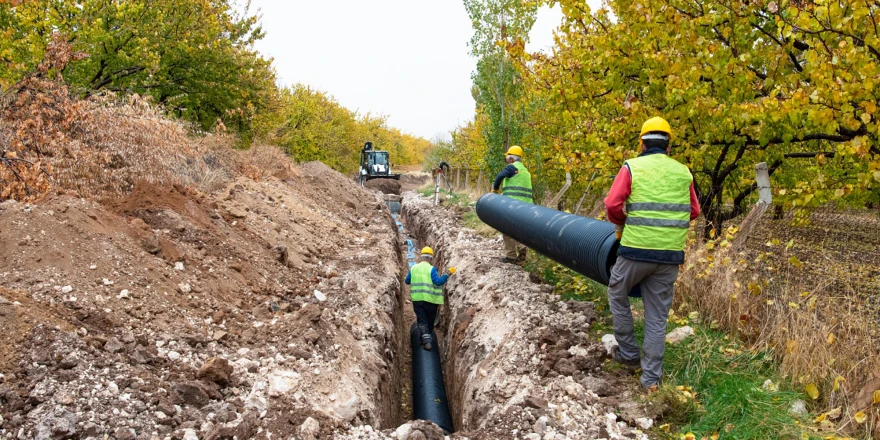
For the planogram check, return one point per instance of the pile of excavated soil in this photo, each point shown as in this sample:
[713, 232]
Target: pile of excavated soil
[265, 310]
[415, 180]
[385, 186]
[518, 362]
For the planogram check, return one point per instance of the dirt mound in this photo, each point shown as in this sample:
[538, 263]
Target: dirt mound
[415, 180]
[385, 186]
[322, 182]
[109, 312]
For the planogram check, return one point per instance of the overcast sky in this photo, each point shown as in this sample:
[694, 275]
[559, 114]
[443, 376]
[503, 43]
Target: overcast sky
[402, 58]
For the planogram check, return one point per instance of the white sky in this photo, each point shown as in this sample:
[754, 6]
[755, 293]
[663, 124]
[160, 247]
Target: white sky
[405, 59]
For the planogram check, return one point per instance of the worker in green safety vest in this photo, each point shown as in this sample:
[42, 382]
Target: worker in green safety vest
[514, 181]
[651, 202]
[426, 293]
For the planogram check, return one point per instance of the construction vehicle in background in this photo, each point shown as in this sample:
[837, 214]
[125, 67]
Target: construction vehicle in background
[374, 165]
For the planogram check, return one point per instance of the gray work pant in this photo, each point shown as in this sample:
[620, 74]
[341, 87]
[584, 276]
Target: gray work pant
[512, 248]
[657, 283]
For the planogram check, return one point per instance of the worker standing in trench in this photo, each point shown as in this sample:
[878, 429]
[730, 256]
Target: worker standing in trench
[658, 193]
[514, 181]
[426, 293]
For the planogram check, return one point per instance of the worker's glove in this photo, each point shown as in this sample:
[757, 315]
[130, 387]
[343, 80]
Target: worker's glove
[450, 271]
[618, 231]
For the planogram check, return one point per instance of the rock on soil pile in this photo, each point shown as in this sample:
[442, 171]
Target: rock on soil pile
[264, 310]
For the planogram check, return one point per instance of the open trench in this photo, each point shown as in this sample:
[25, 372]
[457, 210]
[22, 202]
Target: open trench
[395, 394]
[515, 358]
[517, 361]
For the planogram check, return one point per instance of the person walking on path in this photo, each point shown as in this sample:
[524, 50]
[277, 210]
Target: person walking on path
[658, 195]
[514, 181]
[426, 293]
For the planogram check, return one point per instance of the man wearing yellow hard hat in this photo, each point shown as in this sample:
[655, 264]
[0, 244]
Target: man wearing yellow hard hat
[426, 293]
[658, 195]
[514, 181]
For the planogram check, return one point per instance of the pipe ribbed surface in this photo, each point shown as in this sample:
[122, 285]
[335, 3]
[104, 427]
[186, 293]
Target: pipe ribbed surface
[585, 245]
[429, 391]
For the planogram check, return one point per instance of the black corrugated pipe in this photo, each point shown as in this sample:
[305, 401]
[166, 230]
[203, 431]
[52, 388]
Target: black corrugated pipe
[582, 244]
[429, 391]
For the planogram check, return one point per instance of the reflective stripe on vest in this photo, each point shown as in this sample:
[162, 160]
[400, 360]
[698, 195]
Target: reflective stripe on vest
[658, 208]
[421, 287]
[519, 186]
[674, 207]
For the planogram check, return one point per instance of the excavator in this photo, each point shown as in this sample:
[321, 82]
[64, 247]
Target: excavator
[374, 165]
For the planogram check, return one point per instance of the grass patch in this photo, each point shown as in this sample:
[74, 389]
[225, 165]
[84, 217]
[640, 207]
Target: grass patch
[473, 222]
[712, 384]
[726, 381]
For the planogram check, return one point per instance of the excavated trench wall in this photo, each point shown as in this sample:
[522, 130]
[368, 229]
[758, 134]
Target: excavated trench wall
[516, 358]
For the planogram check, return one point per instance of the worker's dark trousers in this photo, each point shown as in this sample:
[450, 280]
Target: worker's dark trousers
[425, 314]
[657, 282]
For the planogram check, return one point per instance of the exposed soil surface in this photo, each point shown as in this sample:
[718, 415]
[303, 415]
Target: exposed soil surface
[415, 180]
[385, 186]
[265, 309]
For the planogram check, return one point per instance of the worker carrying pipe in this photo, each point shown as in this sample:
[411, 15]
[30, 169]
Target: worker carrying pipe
[426, 293]
[514, 181]
[651, 203]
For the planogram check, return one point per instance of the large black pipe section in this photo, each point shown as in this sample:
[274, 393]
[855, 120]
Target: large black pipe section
[429, 391]
[585, 245]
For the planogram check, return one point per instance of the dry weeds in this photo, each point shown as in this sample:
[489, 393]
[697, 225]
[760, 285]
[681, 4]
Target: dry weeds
[809, 293]
[101, 146]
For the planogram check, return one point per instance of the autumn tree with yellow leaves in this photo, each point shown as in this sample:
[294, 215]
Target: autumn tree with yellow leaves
[311, 125]
[194, 58]
[793, 84]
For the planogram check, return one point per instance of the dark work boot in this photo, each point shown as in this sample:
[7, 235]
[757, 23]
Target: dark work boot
[426, 342]
[630, 364]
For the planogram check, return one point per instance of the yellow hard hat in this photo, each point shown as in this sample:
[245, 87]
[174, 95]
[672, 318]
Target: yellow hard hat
[427, 250]
[515, 150]
[656, 124]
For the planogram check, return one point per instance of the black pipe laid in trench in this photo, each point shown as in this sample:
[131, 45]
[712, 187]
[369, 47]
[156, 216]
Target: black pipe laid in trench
[585, 245]
[429, 391]
[428, 387]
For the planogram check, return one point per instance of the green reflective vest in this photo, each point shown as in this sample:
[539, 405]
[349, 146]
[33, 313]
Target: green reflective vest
[659, 206]
[421, 286]
[519, 186]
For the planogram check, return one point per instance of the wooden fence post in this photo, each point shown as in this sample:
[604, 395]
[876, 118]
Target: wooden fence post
[586, 191]
[762, 177]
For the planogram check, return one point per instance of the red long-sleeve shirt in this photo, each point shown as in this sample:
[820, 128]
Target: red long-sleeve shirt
[620, 191]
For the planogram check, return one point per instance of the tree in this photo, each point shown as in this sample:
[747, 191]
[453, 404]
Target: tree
[496, 89]
[194, 57]
[741, 82]
[312, 125]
